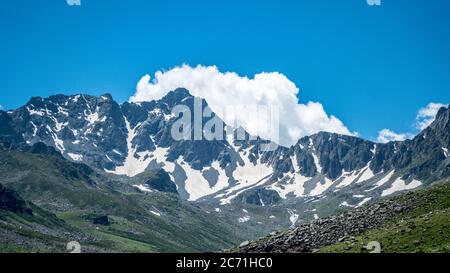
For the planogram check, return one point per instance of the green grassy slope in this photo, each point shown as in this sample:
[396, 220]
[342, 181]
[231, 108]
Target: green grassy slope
[425, 229]
[416, 221]
[73, 194]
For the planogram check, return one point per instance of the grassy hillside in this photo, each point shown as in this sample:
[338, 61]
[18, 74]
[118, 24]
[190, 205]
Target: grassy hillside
[425, 229]
[71, 202]
[411, 222]
[66, 197]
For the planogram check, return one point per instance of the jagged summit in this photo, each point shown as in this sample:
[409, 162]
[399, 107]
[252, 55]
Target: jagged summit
[176, 96]
[442, 121]
[131, 138]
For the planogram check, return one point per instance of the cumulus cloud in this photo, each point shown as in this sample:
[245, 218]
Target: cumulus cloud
[426, 115]
[1, 107]
[386, 135]
[73, 2]
[222, 90]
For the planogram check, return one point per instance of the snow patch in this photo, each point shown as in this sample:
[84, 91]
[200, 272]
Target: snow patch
[385, 179]
[346, 204]
[293, 217]
[155, 213]
[133, 165]
[36, 112]
[367, 174]
[59, 144]
[358, 196]
[247, 176]
[159, 112]
[365, 200]
[92, 118]
[196, 184]
[317, 163]
[321, 188]
[109, 158]
[349, 178]
[244, 219]
[160, 156]
[58, 125]
[249, 173]
[74, 132]
[143, 188]
[295, 186]
[34, 128]
[76, 157]
[294, 161]
[63, 111]
[400, 185]
[75, 98]
[374, 149]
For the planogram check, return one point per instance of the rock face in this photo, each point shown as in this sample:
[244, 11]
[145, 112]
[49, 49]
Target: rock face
[161, 182]
[11, 201]
[101, 220]
[8, 136]
[130, 138]
[82, 128]
[260, 197]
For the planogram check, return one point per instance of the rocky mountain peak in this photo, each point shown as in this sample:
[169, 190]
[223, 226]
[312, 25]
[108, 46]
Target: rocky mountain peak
[442, 120]
[133, 138]
[176, 96]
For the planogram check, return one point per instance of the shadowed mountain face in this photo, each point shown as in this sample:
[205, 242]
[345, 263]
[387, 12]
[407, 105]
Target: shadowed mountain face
[8, 135]
[11, 201]
[132, 138]
[47, 201]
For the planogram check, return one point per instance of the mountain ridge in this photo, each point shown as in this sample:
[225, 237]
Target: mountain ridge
[112, 160]
[130, 138]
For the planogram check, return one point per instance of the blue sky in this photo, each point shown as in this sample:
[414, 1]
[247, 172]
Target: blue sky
[372, 67]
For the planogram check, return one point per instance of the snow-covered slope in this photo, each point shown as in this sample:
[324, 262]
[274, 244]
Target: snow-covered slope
[130, 138]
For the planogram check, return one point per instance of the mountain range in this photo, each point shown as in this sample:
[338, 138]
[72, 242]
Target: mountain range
[64, 154]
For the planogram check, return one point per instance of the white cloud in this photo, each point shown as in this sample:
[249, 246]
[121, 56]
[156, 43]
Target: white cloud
[73, 2]
[227, 89]
[1, 107]
[426, 115]
[387, 135]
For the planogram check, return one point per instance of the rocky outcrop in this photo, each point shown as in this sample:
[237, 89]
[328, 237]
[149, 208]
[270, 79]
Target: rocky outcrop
[11, 201]
[161, 181]
[344, 226]
[132, 138]
[101, 220]
[260, 197]
[8, 135]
